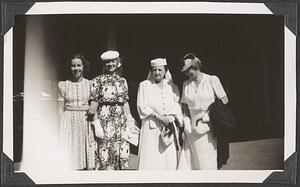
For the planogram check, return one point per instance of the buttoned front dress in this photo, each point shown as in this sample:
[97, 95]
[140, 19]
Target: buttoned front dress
[76, 135]
[201, 149]
[162, 99]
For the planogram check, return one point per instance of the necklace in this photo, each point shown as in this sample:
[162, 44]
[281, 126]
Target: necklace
[198, 81]
[199, 78]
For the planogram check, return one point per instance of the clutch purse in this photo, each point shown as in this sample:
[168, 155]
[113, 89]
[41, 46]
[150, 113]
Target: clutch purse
[99, 132]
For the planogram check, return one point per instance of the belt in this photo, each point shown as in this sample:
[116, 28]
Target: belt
[77, 108]
[111, 103]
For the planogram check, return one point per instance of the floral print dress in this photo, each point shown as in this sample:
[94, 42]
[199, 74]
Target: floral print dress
[111, 92]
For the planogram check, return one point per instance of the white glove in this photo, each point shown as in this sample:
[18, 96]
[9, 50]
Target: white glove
[171, 118]
[201, 128]
[205, 118]
[187, 125]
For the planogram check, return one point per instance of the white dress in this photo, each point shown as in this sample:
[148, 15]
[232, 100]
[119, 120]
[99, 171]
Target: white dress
[76, 135]
[200, 148]
[153, 154]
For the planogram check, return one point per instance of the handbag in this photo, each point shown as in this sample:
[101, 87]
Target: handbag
[166, 136]
[200, 127]
[132, 132]
[170, 133]
[99, 132]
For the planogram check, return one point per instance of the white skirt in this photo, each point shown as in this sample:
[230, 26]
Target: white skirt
[77, 140]
[153, 154]
[199, 150]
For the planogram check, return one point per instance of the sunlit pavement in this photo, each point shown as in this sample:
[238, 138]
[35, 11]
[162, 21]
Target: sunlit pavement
[264, 154]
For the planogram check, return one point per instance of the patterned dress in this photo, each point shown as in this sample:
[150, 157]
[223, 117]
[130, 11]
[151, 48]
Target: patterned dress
[76, 135]
[111, 92]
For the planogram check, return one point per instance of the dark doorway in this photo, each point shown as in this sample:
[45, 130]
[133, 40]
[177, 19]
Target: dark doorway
[245, 51]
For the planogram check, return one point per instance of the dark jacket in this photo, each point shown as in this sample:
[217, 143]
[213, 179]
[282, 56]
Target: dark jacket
[223, 123]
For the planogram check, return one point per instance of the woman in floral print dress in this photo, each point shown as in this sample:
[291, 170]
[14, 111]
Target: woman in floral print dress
[109, 96]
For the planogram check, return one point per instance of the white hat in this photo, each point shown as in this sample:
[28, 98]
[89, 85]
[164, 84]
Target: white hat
[189, 60]
[158, 62]
[187, 64]
[109, 55]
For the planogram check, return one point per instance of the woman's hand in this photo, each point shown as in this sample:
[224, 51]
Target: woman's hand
[162, 118]
[93, 109]
[200, 127]
[225, 100]
[171, 118]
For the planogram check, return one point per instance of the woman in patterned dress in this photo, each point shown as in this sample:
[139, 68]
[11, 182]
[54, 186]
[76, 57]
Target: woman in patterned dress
[109, 102]
[199, 91]
[76, 136]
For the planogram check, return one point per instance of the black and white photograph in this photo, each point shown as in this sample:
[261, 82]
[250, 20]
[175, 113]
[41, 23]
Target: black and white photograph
[141, 93]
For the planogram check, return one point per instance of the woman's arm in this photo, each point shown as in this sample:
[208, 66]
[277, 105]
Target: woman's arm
[61, 100]
[143, 110]
[127, 109]
[93, 107]
[60, 108]
[219, 90]
[94, 94]
[185, 110]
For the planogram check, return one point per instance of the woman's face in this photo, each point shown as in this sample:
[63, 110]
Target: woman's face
[76, 68]
[192, 74]
[111, 66]
[158, 73]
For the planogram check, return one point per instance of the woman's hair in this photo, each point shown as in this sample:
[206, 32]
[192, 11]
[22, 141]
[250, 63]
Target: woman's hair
[196, 62]
[85, 63]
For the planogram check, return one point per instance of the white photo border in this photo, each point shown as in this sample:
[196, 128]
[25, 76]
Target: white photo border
[234, 176]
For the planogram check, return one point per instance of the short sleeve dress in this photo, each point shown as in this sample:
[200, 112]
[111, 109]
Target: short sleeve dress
[201, 144]
[111, 92]
[76, 135]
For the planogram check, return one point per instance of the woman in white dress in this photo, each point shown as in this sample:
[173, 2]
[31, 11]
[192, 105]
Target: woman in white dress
[158, 105]
[199, 91]
[76, 135]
